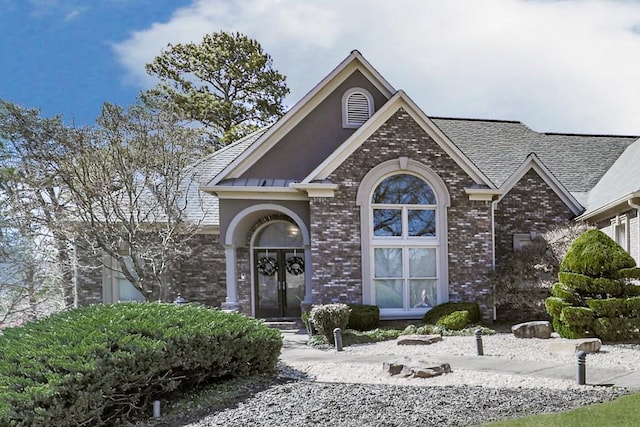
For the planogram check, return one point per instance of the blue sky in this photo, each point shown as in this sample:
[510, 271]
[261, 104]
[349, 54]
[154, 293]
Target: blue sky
[564, 66]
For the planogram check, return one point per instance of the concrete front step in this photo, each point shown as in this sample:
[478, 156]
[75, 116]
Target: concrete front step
[285, 325]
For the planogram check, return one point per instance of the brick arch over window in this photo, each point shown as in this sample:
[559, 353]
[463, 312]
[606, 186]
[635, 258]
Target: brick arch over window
[404, 270]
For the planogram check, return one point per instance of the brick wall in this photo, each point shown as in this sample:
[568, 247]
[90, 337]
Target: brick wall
[530, 206]
[335, 222]
[199, 278]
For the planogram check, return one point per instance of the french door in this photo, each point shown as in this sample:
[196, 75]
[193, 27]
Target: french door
[279, 282]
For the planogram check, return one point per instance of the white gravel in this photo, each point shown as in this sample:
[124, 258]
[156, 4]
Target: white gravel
[623, 357]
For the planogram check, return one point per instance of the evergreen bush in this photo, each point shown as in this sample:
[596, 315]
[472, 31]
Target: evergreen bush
[454, 321]
[104, 364]
[363, 317]
[432, 316]
[327, 317]
[594, 296]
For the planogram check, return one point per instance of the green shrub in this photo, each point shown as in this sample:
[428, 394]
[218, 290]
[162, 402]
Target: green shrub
[592, 297]
[326, 318]
[99, 365]
[578, 316]
[363, 317]
[595, 254]
[618, 329]
[565, 293]
[432, 316]
[454, 321]
[555, 305]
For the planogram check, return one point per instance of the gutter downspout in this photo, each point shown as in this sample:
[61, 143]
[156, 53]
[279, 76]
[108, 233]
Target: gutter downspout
[494, 203]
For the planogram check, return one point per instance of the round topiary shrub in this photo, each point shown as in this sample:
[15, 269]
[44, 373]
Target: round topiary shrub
[105, 364]
[363, 317]
[327, 317]
[594, 295]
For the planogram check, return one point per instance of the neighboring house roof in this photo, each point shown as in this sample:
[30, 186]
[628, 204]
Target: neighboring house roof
[498, 148]
[620, 183]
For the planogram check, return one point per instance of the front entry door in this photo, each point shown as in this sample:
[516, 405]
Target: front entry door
[279, 282]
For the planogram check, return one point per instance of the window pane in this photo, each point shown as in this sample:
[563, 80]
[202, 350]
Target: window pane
[404, 190]
[389, 293]
[388, 262]
[279, 235]
[387, 222]
[422, 262]
[423, 293]
[127, 292]
[422, 222]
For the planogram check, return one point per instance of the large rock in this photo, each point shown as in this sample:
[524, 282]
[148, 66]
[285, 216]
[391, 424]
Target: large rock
[408, 367]
[418, 339]
[538, 329]
[589, 345]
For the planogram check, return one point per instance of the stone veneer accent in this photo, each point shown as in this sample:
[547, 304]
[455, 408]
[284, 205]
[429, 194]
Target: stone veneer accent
[335, 222]
[530, 207]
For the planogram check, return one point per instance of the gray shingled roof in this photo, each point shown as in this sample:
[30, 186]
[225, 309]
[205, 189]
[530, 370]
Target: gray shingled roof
[619, 181]
[204, 171]
[499, 147]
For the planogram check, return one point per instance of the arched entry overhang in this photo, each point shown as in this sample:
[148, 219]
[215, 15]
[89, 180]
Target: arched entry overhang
[241, 233]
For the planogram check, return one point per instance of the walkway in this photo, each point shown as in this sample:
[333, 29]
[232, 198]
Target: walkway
[295, 349]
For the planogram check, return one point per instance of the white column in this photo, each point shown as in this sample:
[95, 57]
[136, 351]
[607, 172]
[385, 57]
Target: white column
[231, 302]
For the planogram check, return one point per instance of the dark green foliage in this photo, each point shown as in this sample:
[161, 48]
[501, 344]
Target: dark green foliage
[581, 316]
[363, 317]
[327, 317]
[565, 293]
[432, 316]
[593, 297]
[101, 364]
[618, 328]
[630, 273]
[616, 307]
[596, 255]
[454, 321]
[555, 305]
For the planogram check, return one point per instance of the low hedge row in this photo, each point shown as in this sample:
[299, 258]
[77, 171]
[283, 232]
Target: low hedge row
[432, 316]
[101, 364]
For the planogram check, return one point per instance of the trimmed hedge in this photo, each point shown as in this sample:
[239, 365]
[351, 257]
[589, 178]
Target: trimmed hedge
[593, 297]
[432, 316]
[594, 255]
[104, 364]
[327, 317]
[363, 317]
[454, 321]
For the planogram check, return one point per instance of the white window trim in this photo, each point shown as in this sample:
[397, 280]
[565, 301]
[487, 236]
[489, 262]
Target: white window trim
[621, 221]
[111, 274]
[369, 241]
[345, 108]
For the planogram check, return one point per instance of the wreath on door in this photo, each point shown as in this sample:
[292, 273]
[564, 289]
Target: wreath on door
[267, 266]
[295, 265]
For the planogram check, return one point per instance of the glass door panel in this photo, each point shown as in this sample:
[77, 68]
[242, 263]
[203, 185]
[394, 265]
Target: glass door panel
[267, 284]
[294, 283]
[280, 284]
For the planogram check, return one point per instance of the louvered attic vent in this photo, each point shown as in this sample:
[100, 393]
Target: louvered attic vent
[357, 108]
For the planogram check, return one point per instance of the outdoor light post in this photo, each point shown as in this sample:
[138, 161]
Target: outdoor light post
[179, 300]
[337, 337]
[478, 334]
[582, 368]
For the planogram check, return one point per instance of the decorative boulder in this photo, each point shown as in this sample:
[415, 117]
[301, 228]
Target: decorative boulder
[418, 339]
[408, 367]
[588, 345]
[538, 329]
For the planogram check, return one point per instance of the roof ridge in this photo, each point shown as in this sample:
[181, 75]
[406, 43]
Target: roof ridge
[471, 119]
[601, 135]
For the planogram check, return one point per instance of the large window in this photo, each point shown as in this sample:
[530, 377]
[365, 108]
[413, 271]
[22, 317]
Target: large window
[404, 243]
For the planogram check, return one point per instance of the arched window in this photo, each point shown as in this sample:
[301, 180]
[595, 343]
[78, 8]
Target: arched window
[357, 107]
[403, 206]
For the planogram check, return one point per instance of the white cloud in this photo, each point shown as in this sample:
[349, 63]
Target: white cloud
[555, 65]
